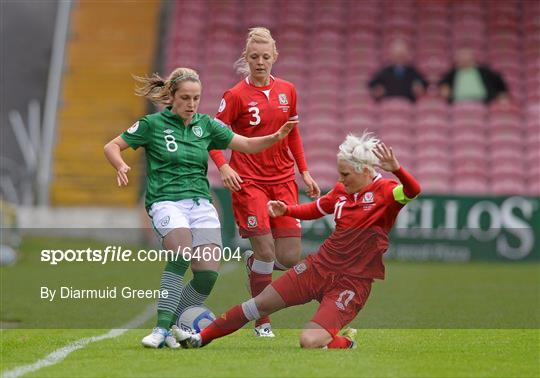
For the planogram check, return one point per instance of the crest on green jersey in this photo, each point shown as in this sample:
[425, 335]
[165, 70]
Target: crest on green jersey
[197, 131]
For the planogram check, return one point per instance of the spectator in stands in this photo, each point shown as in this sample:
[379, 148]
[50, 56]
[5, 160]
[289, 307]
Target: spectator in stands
[400, 78]
[255, 106]
[469, 81]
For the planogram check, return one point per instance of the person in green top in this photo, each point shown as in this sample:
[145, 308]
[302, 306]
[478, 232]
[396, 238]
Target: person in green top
[176, 141]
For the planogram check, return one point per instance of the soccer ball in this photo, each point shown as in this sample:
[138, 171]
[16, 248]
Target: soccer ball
[195, 318]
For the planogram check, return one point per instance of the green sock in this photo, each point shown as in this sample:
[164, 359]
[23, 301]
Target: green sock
[172, 280]
[197, 290]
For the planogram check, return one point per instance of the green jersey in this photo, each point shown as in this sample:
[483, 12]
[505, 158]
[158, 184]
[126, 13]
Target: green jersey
[177, 155]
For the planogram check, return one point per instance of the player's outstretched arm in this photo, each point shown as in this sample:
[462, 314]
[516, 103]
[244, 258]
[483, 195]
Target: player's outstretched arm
[276, 208]
[297, 151]
[257, 144]
[113, 154]
[230, 178]
[306, 211]
[389, 162]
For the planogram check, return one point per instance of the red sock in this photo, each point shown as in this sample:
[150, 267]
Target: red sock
[257, 283]
[227, 323]
[339, 342]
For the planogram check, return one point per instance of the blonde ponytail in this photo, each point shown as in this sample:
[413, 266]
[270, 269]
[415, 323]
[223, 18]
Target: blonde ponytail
[161, 91]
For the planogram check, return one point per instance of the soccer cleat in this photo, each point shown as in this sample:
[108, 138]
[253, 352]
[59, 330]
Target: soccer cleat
[156, 339]
[186, 339]
[194, 341]
[179, 334]
[170, 341]
[264, 330]
[350, 334]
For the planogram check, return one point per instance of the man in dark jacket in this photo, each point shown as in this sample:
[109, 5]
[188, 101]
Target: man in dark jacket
[469, 81]
[400, 78]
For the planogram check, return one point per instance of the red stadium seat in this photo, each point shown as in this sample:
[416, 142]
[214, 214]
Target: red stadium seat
[464, 151]
[472, 185]
[477, 168]
[507, 186]
[346, 42]
[396, 106]
[439, 152]
[507, 152]
[532, 187]
[432, 137]
[433, 66]
[434, 184]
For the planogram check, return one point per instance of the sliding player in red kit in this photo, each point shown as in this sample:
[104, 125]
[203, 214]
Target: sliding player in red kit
[339, 276]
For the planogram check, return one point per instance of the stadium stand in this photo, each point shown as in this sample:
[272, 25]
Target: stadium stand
[329, 52]
[97, 103]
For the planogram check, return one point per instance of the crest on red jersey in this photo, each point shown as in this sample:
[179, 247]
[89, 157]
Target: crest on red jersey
[368, 197]
[252, 221]
[300, 268]
[283, 99]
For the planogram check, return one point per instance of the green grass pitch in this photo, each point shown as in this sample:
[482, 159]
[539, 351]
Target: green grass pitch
[424, 320]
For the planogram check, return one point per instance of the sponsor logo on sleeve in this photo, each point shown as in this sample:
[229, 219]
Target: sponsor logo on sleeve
[133, 128]
[222, 105]
[300, 268]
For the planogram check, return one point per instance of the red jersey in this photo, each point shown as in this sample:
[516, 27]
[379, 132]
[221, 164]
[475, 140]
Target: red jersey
[363, 222]
[258, 111]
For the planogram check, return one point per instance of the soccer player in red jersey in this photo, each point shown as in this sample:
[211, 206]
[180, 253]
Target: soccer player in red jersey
[339, 276]
[259, 105]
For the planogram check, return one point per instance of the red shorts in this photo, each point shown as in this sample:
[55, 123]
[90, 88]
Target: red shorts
[251, 212]
[341, 297]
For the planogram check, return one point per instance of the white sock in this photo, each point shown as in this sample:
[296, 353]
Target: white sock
[250, 310]
[262, 267]
[279, 265]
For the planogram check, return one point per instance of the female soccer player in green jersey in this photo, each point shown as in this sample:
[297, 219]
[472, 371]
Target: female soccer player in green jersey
[176, 141]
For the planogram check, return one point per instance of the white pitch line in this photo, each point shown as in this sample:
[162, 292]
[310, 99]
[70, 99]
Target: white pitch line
[59, 354]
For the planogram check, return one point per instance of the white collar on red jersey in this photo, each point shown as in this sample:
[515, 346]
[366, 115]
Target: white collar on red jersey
[248, 83]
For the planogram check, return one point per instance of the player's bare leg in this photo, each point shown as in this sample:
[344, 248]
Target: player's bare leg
[261, 267]
[269, 301]
[314, 336]
[207, 263]
[263, 247]
[288, 251]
